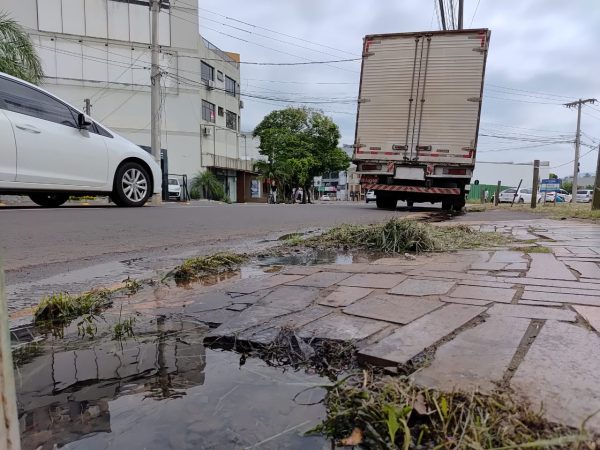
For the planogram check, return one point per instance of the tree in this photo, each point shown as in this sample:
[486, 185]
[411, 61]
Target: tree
[207, 185]
[553, 176]
[18, 56]
[299, 144]
[567, 186]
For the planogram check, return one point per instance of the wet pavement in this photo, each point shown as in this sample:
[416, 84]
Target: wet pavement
[471, 320]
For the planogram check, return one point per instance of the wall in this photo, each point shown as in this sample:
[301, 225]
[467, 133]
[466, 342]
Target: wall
[508, 173]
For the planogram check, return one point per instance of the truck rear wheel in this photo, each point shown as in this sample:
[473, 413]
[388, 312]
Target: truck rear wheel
[386, 202]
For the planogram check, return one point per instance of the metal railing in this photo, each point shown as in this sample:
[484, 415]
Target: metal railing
[226, 162]
[219, 52]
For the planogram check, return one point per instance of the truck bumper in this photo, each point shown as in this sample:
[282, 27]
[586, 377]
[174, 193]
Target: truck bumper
[415, 189]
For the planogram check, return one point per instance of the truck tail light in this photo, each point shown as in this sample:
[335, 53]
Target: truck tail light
[449, 171]
[369, 167]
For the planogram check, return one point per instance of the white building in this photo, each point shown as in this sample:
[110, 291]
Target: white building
[508, 173]
[99, 50]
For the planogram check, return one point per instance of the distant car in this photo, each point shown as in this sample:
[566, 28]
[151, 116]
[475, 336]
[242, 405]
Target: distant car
[370, 197]
[558, 196]
[325, 198]
[584, 196]
[174, 188]
[523, 195]
[50, 151]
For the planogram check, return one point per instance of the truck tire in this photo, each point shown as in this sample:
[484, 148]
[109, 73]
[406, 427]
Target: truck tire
[446, 205]
[385, 202]
[49, 199]
[410, 204]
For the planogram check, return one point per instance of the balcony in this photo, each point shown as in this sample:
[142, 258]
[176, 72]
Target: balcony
[226, 162]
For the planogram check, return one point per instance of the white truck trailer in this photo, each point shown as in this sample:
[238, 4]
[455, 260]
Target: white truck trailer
[418, 115]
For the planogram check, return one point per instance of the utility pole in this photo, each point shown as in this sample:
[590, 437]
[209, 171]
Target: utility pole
[155, 86]
[579, 103]
[596, 198]
[536, 182]
[442, 15]
[88, 106]
[461, 5]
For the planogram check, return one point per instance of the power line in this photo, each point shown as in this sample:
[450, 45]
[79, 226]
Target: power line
[522, 101]
[506, 149]
[572, 161]
[474, 13]
[528, 91]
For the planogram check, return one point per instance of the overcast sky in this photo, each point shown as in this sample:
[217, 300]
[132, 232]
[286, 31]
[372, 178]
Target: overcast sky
[542, 53]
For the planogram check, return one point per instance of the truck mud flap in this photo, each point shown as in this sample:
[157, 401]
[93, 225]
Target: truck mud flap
[416, 189]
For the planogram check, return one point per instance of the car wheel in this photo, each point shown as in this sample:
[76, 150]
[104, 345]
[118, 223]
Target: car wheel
[50, 200]
[521, 200]
[132, 185]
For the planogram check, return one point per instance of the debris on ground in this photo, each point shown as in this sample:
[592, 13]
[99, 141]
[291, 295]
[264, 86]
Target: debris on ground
[62, 308]
[195, 268]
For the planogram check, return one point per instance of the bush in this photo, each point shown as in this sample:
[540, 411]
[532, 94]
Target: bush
[206, 185]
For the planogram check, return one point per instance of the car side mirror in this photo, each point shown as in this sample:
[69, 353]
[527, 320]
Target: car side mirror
[83, 121]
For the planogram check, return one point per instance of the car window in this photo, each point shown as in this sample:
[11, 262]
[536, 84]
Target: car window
[24, 99]
[173, 182]
[526, 191]
[582, 192]
[510, 191]
[99, 130]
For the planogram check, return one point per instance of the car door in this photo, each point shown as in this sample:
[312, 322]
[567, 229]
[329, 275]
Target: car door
[51, 149]
[8, 150]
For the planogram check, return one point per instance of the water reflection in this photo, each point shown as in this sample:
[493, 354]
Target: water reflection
[163, 390]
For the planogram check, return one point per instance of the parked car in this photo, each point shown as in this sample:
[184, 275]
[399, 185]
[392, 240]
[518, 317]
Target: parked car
[584, 196]
[174, 188]
[558, 195]
[325, 198]
[522, 196]
[370, 197]
[51, 150]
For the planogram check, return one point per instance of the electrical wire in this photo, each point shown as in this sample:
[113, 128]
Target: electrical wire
[474, 13]
[530, 92]
[573, 160]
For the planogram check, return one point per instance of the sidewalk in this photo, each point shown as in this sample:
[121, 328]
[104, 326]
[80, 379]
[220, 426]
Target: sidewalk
[471, 320]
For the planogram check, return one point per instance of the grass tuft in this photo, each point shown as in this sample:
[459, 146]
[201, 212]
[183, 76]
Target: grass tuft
[62, 308]
[536, 249]
[195, 268]
[393, 413]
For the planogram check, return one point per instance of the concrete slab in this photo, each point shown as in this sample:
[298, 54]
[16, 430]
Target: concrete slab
[516, 266]
[495, 284]
[562, 298]
[373, 280]
[410, 340]
[555, 283]
[562, 290]
[488, 266]
[400, 261]
[504, 295]
[505, 256]
[561, 373]
[251, 317]
[392, 308]
[321, 279]
[292, 298]
[477, 358]
[532, 312]
[344, 296]
[585, 269]
[252, 285]
[546, 266]
[421, 287]
[538, 303]
[302, 270]
[591, 314]
[341, 327]
[465, 301]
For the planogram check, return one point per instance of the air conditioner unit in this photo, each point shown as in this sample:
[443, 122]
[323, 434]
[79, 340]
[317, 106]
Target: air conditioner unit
[210, 85]
[241, 104]
[207, 131]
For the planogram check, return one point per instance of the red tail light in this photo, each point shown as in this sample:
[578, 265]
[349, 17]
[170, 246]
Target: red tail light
[456, 171]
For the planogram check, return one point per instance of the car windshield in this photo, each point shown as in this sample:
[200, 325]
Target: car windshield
[510, 191]
[583, 192]
[173, 182]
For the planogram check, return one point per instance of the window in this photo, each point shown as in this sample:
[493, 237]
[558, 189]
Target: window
[230, 86]
[207, 73]
[219, 75]
[231, 120]
[208, 111]
[221, 112]
[22, 99]
[526, 191]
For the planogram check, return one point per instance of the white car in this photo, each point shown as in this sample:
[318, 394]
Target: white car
[174, 188]
[522, 196]
[584, 196]
[50, 151]
[370, 197]
[325, 198]
[558, 195]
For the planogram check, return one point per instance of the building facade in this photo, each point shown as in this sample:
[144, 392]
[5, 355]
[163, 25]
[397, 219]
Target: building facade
[100, 50]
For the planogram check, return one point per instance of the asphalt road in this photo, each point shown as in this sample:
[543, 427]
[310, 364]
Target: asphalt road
[76, 248]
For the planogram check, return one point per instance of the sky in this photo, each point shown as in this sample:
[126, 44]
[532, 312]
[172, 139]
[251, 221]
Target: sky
[543, 53]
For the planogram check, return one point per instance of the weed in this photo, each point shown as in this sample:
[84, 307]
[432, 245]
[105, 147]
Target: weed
[394, 413]
[123, 328]
[26, 353]
[406, 235]
[132, 285]
[62, 308]
[536, 249]
[195, 268]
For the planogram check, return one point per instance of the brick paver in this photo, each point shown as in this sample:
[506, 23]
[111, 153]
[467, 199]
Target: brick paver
[392, 308]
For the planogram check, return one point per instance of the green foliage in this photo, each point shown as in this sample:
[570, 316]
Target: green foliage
[567, 186]
[62, 308]
[194, 268]
[393, 413]
[299, 144]
[124, 327]
[207, 185]
[18, 56]
[553, 176]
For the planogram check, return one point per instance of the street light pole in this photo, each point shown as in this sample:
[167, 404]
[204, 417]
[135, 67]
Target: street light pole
[155, 89]
[579, 103]
[596, 194]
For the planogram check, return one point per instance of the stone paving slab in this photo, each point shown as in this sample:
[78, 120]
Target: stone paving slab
[292, 298]
[302, 270]
[505, 256]
[496, 284]
[561, 374]
[465, 301]
[400, 261]
[532, 312]
[249, 318]
[562, 298]
[321, 279]
[562, 290]
[591, 314]
[392, 308]
[553, 283]
[373, 280]
[367, 268]
[517, 266]
[422, 287]
[341, 327]
[477, 358]
[539, 303]
[585, 269]
[344, 296]
[488, 266]
[252, 285]
[546, 266]
[410, 340]
[504, 295]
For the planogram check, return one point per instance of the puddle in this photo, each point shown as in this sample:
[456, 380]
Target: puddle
[162, 390]
[308, 258]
